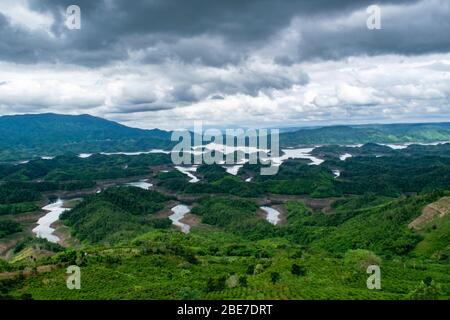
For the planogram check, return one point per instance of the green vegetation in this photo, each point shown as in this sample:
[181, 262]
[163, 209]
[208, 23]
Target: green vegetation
[297, 177]
[69, 168]
[16, 208]
[8, 227]
[24, 136]
[116, 214]
[331, 228]
[347, 135]
[235, 215]
[37, 244]
[170, 265]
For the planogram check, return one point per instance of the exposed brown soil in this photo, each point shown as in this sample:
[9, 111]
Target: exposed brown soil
[191, 220]
[63, 233]
[166, 212]
[436, 209]
[283, 214]
[27, 272]
[317, 204]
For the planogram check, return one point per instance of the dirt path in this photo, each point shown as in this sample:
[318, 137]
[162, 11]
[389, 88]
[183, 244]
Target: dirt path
[436, 209]
[191, 220]
[27, 272]
[317, 204]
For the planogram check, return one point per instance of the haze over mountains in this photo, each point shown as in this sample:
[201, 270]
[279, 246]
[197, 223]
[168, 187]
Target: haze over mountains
[23, 136]
[26, 136]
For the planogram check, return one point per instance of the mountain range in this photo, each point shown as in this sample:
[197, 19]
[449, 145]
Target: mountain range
[27, 136]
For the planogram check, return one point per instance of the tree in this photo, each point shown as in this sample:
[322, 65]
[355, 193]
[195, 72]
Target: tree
[243, 281]
[426, 290]
[274, 277]
[189, 294]
[297, 270]
[251, 269]
[215, 284]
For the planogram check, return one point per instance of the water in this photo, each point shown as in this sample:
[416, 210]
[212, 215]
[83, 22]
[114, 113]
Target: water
[178, 213]
[248, 179]
[187, 171]
[301, 153]
[337, 173]
[399, 146]
[223, 148]
[396, 146]
[345, 156]
[233, 169]
[136, 153]
[84, 155]
[273, 216]
[143, 184]
[44, 229]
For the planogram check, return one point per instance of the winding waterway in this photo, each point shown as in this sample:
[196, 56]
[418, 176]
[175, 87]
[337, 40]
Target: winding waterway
[187, 171]
[44, 229]
[179, 212]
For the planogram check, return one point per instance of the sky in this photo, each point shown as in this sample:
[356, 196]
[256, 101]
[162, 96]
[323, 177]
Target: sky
[228, 63]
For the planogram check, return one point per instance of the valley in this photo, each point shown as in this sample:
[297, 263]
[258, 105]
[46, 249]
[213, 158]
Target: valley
[189, 230]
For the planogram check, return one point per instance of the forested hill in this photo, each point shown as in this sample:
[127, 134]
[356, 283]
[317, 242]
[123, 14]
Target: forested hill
[382, 133]
[24, 136]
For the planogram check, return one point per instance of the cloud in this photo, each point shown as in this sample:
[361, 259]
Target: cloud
[258, 93]
[166, 63]
[216, 33]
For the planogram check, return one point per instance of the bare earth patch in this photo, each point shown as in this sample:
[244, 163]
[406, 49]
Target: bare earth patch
[191, 220]
[436, 209]
[317, 204]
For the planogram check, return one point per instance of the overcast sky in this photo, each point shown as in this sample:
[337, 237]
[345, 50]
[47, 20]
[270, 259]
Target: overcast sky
[257, 63]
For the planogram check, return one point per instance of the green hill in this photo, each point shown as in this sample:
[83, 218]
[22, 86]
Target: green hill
[382, 133]
[25, 136]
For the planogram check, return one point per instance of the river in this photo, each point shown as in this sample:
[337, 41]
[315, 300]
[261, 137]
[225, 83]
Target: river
[179, 212]
[44, 229]
[273, 216]
[187, 171]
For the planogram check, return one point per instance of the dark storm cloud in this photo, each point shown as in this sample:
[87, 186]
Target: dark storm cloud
[217, 97]
[417, 30]
[18, 45]
[185, 31]
[144, 107]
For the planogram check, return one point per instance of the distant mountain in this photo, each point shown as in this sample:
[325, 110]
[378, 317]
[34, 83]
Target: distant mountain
[382, 133]
[25, 136]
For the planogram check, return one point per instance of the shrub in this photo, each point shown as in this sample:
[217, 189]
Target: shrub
[215, 284]
[361, 259]
[298, 270]
[274, 277]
